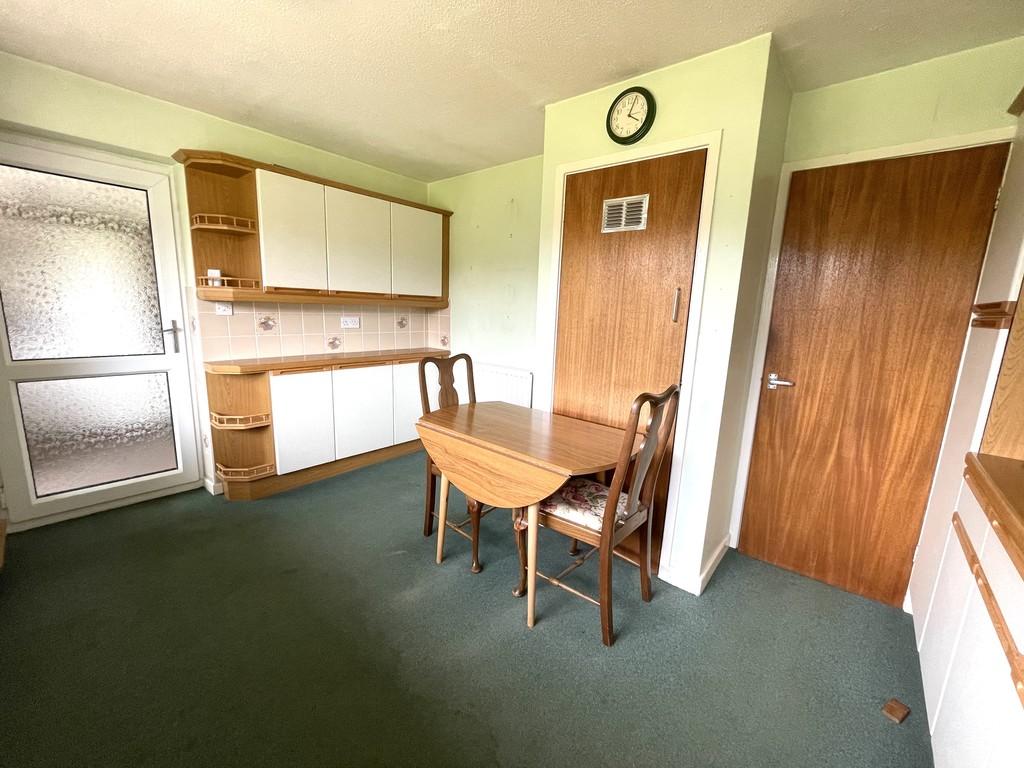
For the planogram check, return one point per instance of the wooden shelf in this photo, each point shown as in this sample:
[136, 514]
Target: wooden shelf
[251, 421]
[245, 474]
[204, 284]
[231, 292]
[222, 222]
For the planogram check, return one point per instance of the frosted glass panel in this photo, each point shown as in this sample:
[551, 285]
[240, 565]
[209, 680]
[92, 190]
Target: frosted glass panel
[77, 273]
[90, 431]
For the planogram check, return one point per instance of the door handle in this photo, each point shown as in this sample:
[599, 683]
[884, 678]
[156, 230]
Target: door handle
[174, 330]
[675, 305]
[774, 382]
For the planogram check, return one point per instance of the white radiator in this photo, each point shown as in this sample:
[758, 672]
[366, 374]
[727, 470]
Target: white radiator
[510, 385]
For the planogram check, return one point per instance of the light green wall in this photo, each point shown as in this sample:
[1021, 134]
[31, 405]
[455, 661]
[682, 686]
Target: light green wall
[493, 273]
[57, 102]
[720, 92]
[951, 95]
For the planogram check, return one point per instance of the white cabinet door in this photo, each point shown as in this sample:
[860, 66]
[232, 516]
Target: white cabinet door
[293, 235]
[303, 413]
[407, 401]
[358, 242]
[363, 410]
[415, 251]
[980, 700]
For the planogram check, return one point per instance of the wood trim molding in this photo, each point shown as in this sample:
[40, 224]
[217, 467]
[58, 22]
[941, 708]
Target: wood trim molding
[233, 165]
[995, 613]
[301, 363]
[993, 314]
[268, 486]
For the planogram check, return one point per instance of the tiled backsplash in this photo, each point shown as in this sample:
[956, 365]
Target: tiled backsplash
[271, 330]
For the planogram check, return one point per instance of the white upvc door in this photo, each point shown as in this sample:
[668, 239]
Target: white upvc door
[293, 233]
[358, 242]
[416, 251]
[303, 413]
[96, 406]
[363, 410]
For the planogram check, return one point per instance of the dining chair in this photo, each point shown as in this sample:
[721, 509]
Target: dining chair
[448, 395]
[603, 516]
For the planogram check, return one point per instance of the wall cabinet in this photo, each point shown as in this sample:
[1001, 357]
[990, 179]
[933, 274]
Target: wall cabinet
[416, 245]
[303, 414]
[292, 228]
[363, 410]
[358, 242]
[408, 408]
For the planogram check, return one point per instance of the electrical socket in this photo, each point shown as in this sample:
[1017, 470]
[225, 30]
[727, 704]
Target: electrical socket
[350, 321]
[223, 308]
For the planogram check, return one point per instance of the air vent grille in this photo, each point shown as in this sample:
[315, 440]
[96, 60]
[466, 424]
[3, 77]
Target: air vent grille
[625, 214]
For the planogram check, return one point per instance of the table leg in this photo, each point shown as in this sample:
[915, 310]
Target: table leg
[531, 563]
[442, 517]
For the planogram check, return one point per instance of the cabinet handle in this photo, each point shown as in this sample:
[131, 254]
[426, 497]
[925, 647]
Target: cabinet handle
[675, 305]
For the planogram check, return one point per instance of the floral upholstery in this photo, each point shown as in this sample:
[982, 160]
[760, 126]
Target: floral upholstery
[582, 502]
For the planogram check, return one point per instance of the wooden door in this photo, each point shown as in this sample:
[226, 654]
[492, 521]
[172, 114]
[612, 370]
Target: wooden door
[363, 410]
[358, 242]
[416, 251]
[877, 271]
[624, 295]
[293, 235]
[303, 412]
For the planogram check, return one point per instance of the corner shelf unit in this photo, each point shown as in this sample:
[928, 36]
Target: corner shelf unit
[250, 421]
[222, 222]
[245, 474]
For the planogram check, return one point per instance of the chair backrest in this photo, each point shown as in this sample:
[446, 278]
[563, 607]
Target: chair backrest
[658, 420]
[447, 395]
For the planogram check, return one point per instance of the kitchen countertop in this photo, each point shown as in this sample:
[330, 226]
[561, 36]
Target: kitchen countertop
[314, 362]
[998, 482]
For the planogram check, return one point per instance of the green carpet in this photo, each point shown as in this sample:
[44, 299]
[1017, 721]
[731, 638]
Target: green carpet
[314, 629]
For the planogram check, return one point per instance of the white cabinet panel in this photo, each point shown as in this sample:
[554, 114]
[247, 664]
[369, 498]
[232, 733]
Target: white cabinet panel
[407, 401]
[363, 410]
[979, 700]
[358, 242]
[303, 412]
[415, 251]
[952, 588]
[1006, 583]
[293, 236]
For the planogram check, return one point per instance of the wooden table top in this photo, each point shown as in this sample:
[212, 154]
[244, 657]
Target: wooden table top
[557, 443]
[1000, 481]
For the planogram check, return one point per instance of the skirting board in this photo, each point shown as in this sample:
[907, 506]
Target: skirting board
[213, 485]
[687, 582]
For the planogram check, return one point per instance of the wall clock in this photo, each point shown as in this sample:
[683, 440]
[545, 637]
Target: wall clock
[631, 115]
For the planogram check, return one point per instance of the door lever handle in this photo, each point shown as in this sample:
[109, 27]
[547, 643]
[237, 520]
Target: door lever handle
[774, 382]
[174, 330]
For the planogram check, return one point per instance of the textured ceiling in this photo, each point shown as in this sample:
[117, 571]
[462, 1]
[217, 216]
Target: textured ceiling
[432, 89]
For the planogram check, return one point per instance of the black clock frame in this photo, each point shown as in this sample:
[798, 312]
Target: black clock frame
[652, 109]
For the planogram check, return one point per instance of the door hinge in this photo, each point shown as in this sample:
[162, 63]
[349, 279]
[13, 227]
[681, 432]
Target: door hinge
[3, 498]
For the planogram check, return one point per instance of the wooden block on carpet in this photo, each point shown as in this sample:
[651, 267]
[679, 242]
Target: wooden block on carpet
[896, 710]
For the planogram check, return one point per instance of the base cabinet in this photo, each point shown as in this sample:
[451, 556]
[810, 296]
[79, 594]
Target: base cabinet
[363, 410]
[303, 411]
[408, 408]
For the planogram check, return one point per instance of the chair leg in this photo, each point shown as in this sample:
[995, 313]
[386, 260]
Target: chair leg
[645, 562]
[442, 518]
[474, 516]
[520, 533]
[606, 556]
[574, 547]
[428, 504]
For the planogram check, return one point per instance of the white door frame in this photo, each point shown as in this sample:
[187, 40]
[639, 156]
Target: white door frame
[548, 328]
[157, 179]
[926, 146]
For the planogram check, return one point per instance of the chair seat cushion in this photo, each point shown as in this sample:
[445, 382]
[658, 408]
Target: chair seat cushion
[582, 502]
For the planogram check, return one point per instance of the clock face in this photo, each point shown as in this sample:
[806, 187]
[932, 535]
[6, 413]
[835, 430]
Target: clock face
[631, 115]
